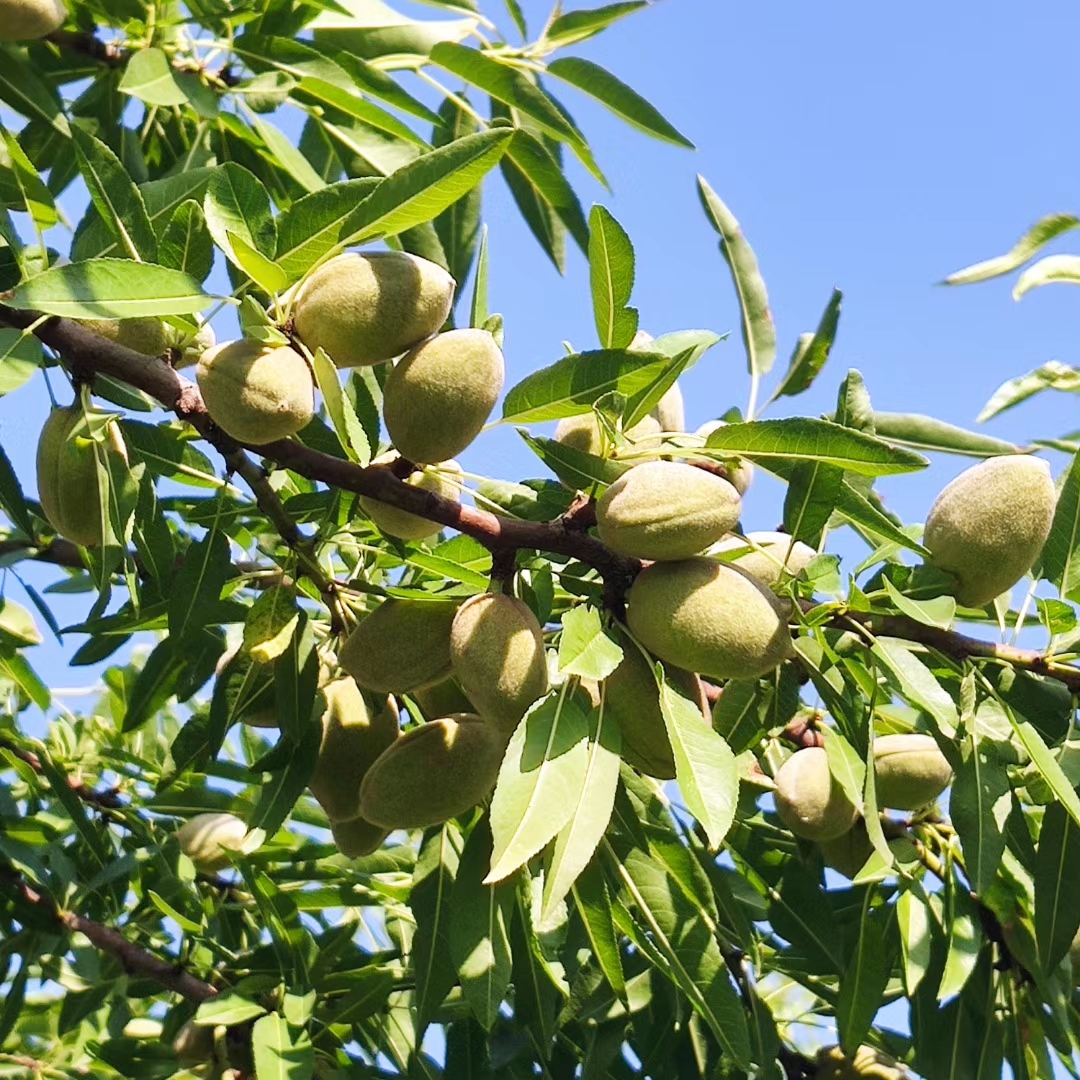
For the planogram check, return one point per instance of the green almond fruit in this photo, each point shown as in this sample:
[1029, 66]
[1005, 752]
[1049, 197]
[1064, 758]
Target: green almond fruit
[633, 698]
[740, 472]
[988, 526]
[847, 854]
[194, 1045]
[433, 773]
[355, 733]
[866, 1064]
[28, 20]
[209, 839]
[768, 556]
[144, 335]
[809, 800]
[665, 510]
[909, 771]
[256, 393]
[709, 618]
[439, 395]
[401, 646]
[443, 480]
[357, 837]
[67, 471]
[497, 655]
[365, 308]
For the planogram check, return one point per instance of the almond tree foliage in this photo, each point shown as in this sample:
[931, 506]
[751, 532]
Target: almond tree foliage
[586, 919]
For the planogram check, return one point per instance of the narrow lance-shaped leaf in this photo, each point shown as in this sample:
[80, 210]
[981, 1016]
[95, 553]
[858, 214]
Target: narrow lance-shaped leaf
[1061, 554]
[1049, 376]
[541, 777]
[759, 331]
[1057, 886]
[611, 277]
[979, 805]
[863, 984]
[927, 433]
[811, 351]
[1062, 269]
[1042, 232]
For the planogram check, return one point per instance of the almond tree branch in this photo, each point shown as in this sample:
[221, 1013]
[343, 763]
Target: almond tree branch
[89, 44]
[105, 798]
[133, 958]
[88, 354]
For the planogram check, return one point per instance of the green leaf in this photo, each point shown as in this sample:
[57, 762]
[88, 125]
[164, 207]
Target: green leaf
[594, 905]
[154, 684]
[1049, 376]
[505, 84]
[611, 277]
[150, 77]
[926, 433]
[705, 768]
[577, 26]
[812, 351]
[1064, 269]
[916, 683]
[198, 585]
[1042, 232]
[287, 156]
[12, 498]
[584, 649]
[539, 782]
[979, 806]
[423, 189]
[863, 984]
[33, 193]
[916, 937]
[684, 940]
[939, 612]
[812, 494]
[570, 386]
[478, 312]
[1047, 765]
[965, 940]
[28, 93]
[309, 229]
[326, 93]
[479, 938]
[20, 357]
[577, 840]
[544, 175]
[846, 766]
[458, 226]
[759, 331]
[575, 468]
[263, 271]
[623, 101]
[808, 439]
[279, 1053]
[296, 681]
[431, 904]
[16, 667]
[185, 244]
[1060, 559]
[228, 1009]
[280, 792]
[17, 626]
[116, 198]
[339, 408]
[1057, 885]
[111, 289]
[236, 203]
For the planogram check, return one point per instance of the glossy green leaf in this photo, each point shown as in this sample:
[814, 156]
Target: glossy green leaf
[979, 806]
[611, 277]
[236, 202]
[574, 26]
[1049, 376]
[863, 984]
[150, 77]
[926, 433]
[185, 244]
[1041, 233]
[584, 649]
[1060, 560]
[812, 351]
[431, 904]
[279, 1052]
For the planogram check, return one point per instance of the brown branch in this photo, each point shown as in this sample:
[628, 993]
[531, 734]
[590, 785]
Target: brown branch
[89, 44]
[105, 798]
[58, 551]
[88, 354]
[134, 959]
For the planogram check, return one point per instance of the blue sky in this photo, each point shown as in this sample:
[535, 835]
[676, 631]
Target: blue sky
[859, 148]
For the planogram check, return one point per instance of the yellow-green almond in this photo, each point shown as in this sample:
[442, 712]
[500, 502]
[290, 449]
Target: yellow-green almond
[433, 773]
[209, 839]
[866, 1064]
[401, 645]
[663, 510]
[847, 854]
[633, 698]
[357, 837]
[497, 654]
[989, 525]
[771, 555]
[583, 432]
[809, 799]
[367, 307]
[256, 393]
[28, 20]
[194, 1044]
[355, 733]
[709, 618]
[443, 479]
[144, 335]
[67, 475]
[909, 771]
[439, 395]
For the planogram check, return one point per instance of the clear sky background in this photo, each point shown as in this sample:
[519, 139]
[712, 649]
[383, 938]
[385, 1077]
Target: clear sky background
[859, 147]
